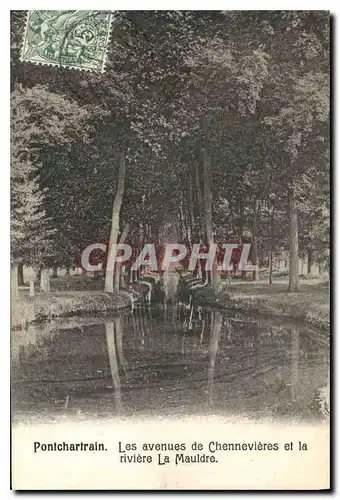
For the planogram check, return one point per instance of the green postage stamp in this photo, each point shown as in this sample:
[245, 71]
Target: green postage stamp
[68, 38]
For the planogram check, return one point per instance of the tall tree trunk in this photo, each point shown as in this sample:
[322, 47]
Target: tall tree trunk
[271, 266]
[119, 264]
[200, 208]
[148, 223]
[242, 217]
[207, 198]
[213, 276]
[186, 211]
[45, 280]
[21, 274]
[209, 237]
[183, 231]
[38, 271]
[293, 244]
[14, 281]
[271, 246]
[191, 212]
[309, 260]
[256, 273]
[117, 203]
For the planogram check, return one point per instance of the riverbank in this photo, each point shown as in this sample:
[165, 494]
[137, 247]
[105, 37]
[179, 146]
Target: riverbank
[71, 297]
[310, 305]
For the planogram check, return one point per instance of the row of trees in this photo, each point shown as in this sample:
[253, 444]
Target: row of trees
[216, 122]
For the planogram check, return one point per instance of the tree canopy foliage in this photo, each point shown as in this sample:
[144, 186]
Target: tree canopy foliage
[222, 119]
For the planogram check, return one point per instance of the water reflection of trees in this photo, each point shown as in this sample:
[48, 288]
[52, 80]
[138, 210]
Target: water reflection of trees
[260, 358]
[31, 340]
[113, 332]
[226, 359]
[215, 332]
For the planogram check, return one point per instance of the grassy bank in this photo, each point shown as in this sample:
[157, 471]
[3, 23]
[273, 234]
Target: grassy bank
[310, 305]
[70, 297]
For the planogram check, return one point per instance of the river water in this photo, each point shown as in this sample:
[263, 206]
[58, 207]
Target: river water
[182, 360]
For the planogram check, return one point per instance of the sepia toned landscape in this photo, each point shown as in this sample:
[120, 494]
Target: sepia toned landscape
[170, 216]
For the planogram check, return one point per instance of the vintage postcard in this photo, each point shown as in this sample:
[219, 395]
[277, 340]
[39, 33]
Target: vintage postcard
[170, 250]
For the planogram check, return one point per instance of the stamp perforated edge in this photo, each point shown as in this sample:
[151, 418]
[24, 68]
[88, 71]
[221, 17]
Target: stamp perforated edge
[108, 38]
[56, 65]
[24, 37]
